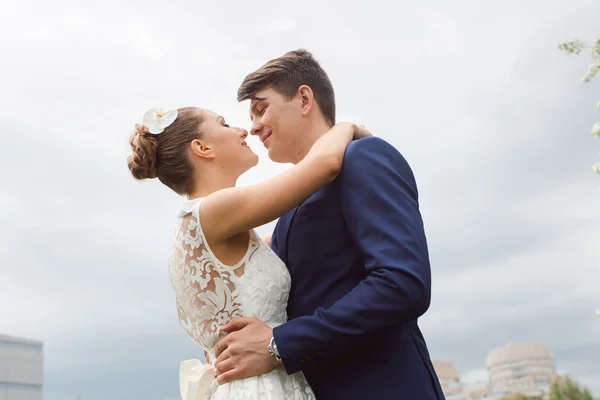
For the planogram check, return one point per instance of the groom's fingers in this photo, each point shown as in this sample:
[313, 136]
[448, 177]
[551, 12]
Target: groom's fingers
[236, 324]
[221, 347]
[226, 354]
[224, 366]
[233, 326]
[229, 376]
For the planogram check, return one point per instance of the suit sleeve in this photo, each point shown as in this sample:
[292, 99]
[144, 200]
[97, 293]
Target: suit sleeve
[379, 202]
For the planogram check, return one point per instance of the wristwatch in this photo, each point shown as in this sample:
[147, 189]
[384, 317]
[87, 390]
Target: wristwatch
[273, 349]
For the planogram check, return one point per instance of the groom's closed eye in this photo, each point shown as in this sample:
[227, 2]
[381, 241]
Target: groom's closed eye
[260, 110]
[257, 109]
[258, 113]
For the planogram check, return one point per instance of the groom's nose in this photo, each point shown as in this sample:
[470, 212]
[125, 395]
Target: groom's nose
[256, 128]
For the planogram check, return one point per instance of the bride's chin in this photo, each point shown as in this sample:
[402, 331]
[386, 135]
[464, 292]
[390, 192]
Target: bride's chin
[252, 163]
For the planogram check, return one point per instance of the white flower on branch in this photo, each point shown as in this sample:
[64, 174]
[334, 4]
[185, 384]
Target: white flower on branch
[596, 129]
[572, 46]
[593, 70]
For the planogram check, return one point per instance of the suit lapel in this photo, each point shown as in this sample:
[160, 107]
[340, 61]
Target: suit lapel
[283, 233]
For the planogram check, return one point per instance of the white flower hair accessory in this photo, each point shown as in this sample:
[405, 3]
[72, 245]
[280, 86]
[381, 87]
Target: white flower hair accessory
[156, 120]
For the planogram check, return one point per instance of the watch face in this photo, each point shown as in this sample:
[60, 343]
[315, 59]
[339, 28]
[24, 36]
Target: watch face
[273, 348]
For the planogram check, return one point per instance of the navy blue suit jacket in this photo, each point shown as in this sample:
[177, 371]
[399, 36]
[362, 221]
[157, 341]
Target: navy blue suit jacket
[357, 254]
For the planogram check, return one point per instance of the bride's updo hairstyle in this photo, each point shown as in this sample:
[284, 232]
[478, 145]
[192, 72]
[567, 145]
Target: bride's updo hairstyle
[165, 155]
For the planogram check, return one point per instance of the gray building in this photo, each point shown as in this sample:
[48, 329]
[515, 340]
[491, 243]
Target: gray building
[521, 368]
[21, 368]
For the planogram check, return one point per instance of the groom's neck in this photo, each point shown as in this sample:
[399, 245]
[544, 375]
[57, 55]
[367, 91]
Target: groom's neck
[308, 137]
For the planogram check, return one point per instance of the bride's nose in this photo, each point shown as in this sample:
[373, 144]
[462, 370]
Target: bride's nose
[243, 133]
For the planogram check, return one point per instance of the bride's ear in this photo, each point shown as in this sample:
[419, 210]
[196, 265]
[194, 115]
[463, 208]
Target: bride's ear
[201, 149]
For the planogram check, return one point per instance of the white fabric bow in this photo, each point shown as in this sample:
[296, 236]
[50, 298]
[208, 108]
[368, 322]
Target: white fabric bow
[196, 380]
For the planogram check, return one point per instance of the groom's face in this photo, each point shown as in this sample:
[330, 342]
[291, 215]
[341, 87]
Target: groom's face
[276, 120]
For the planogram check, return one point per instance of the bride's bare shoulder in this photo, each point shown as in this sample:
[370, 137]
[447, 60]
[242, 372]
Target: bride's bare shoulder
[267, 238]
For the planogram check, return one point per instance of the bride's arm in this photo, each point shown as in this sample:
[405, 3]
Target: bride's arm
[231, 211]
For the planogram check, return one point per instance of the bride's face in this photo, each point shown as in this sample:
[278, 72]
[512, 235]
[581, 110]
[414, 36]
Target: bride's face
[227, 143]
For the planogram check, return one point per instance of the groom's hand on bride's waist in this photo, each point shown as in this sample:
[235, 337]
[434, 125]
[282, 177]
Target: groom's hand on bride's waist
[244, 353]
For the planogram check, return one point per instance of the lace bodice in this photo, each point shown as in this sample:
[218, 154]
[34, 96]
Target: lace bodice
[209, 293]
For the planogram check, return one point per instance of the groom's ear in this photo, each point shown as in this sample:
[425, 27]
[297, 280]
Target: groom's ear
[307, 97]
[200, 149]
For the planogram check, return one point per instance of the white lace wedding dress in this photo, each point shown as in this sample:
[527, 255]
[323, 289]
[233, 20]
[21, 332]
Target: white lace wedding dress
[209, 294]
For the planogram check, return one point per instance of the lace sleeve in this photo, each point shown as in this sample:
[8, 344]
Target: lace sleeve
[204, 288]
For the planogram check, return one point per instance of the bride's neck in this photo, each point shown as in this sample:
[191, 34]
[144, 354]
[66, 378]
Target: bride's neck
[211, 182]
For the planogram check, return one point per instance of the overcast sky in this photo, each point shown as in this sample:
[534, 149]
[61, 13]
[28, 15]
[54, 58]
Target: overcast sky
[491, 116]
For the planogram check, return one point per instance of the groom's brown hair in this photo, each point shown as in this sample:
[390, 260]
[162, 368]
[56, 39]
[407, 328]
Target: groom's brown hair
[286, 74]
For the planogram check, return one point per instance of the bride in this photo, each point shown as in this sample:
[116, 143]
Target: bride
[219, 267]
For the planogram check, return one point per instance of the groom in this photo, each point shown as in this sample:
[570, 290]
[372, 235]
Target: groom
[356, 251]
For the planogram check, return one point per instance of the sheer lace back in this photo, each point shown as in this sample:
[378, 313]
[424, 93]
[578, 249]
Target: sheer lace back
[209, 293]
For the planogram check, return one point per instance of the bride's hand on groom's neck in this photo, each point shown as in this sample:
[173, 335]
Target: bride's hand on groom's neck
[360, 132]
